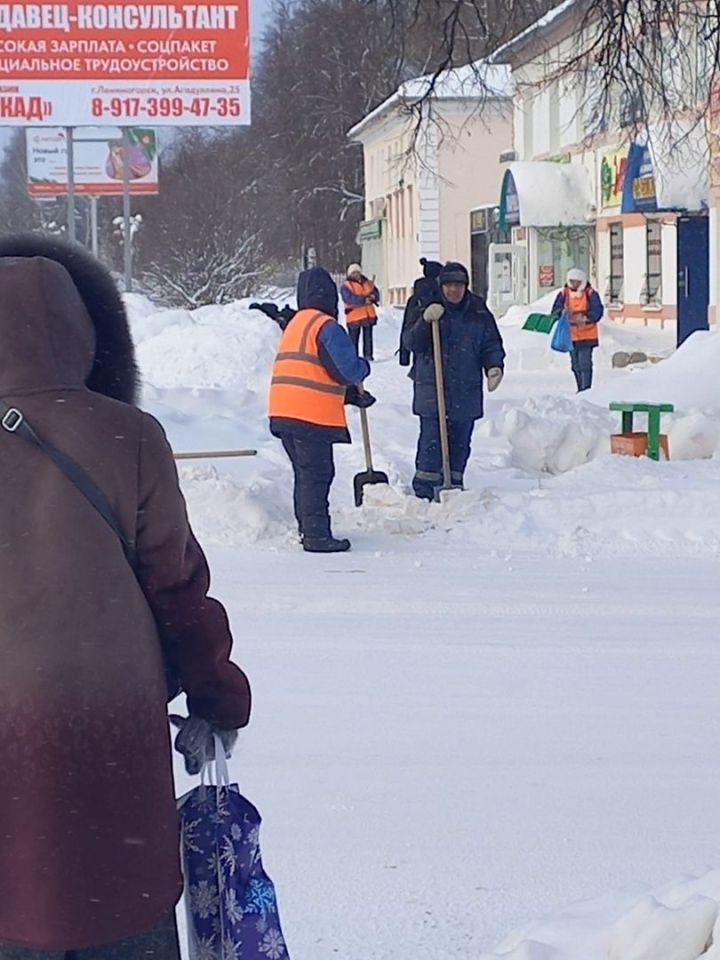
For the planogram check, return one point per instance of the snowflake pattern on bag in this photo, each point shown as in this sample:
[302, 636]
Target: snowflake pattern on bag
[229, 899]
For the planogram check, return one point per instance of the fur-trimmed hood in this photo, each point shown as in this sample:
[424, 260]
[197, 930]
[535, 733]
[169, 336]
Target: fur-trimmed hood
[111, 364]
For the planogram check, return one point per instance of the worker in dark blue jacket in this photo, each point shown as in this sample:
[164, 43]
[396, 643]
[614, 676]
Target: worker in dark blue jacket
[471, 345]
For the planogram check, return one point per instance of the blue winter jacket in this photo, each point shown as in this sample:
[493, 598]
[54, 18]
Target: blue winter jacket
[317, 291]
[471, 343]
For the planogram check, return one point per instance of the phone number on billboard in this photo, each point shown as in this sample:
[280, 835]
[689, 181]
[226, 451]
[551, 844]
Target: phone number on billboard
[125, 108]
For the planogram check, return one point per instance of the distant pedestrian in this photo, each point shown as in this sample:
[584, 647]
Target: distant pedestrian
[471, 344]
[361, 298]
[316, 373]
[584, 309]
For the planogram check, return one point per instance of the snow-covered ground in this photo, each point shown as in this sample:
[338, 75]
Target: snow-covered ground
[495, 714]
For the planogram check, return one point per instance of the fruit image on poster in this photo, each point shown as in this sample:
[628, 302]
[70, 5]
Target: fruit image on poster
[141, 155]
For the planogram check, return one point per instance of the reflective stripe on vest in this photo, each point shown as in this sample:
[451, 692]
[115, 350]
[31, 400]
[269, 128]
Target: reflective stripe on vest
[301, 387]
[360, 288]
[578, 302]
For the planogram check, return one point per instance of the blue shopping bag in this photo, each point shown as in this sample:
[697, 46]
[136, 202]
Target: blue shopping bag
[230, 901]
[562, 338]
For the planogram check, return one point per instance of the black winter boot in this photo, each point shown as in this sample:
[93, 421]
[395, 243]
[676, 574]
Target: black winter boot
[326, 545]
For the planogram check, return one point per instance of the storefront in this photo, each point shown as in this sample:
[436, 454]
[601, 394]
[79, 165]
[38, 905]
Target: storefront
[548, 208]
[653, 237]
[485, 230]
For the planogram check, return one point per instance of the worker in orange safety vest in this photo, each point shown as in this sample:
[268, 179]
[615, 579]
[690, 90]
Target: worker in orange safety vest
[361, 298]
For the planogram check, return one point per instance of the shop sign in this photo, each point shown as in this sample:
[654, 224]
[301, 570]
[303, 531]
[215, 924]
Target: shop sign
[370, 230]
[479, 221]
[639, 194]
[613, 168]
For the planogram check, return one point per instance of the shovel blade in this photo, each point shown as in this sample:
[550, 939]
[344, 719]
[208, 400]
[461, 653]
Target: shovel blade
[366, 479]
[443, 494]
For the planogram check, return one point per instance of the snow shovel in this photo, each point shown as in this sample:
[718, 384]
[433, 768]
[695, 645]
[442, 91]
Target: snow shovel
[442, 412]
[369, 476]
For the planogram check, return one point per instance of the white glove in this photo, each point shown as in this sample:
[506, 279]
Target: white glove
[433, 313]
[494, 378]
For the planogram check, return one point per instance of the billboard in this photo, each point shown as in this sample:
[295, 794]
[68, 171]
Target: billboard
[98, 161]
[124, 64]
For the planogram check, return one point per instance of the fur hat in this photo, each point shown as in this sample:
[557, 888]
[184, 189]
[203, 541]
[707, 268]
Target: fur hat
[354, 268]
[114, 373]
[454, 273]
[431, 268]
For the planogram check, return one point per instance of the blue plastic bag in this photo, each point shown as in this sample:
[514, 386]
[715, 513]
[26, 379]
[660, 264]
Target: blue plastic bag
[230, 901]
[562, 338]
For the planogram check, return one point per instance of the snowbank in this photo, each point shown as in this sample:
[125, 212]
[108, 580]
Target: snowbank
[675, 922]
[688, 378]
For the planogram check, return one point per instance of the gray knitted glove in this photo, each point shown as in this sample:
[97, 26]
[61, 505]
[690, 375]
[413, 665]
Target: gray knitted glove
[196, 742]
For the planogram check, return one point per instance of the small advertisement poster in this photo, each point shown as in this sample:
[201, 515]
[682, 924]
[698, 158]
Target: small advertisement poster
[98, 161]
[546, 275]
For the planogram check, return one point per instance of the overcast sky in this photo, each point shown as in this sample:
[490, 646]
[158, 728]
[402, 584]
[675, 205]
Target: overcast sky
[259, 10]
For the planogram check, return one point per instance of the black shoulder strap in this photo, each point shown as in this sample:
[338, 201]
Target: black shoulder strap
[13, 421]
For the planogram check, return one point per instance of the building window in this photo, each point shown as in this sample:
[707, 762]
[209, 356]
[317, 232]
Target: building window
[554, 117]
[617, 271]
[653, 272]
[528, 120]
[632, 108]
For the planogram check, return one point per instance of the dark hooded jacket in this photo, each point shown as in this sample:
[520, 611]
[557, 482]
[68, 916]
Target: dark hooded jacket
[317, 291]
[89, 851]
[425, 290]
[470, 342]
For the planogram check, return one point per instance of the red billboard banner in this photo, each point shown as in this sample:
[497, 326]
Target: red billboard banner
[78, 64]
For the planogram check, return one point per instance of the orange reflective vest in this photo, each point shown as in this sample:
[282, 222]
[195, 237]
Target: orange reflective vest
[301, 387]
[367, 314]
[577, 302]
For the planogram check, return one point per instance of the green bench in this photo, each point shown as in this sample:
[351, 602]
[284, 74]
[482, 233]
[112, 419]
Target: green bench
[653, 410]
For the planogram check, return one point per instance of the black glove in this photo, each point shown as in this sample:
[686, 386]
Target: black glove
[269, 309]
[355, 398]
[196, 741]
[285, 316]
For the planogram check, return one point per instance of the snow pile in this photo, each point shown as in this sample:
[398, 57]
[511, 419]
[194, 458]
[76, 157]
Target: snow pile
[688, 378]
[209, 348]
[554, 434]
[551, 194]
[676, 922]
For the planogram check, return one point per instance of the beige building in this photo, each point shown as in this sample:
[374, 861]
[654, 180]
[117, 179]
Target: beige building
[429, 160]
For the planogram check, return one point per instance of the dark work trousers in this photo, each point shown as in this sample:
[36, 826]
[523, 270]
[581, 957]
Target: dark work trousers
[314, 469]
[160, 943]
[581, 361]
[428, 461]
[367, 335]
